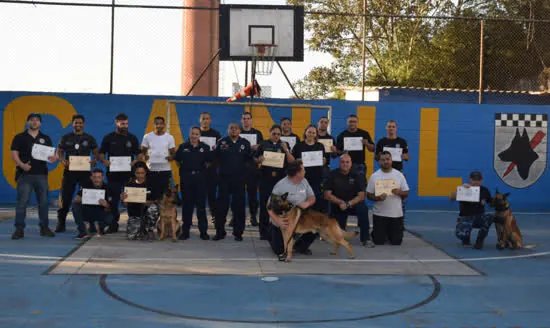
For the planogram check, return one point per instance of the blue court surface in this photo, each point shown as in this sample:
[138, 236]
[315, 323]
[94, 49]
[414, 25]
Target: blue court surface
[429, 281]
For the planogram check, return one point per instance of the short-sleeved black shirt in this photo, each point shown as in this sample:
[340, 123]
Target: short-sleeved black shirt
[138, 209]
[295, 137]
[23, 143]
[312, 172]
[393, 143]
[471, 208]
[116, 144]
[345, 186]
[357, 156]
[192, 159]
[211, 133]
[233, 156]
[90, 185]
[274, 173]
[259, 135]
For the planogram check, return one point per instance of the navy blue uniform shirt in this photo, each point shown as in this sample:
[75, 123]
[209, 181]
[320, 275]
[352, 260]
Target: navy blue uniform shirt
[233, 155]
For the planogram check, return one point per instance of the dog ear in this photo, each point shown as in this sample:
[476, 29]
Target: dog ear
[284, 196]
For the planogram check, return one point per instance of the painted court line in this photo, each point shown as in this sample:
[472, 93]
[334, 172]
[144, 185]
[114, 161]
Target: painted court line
[456, 212]
[172, 260]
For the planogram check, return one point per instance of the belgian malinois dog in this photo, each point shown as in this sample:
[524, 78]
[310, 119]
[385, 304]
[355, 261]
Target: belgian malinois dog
[508, 232]
[307, 220]
[168, 222]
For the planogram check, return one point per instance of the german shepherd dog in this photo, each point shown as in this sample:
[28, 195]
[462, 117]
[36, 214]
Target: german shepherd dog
[168, 222]
[508, 233]
[302, 221]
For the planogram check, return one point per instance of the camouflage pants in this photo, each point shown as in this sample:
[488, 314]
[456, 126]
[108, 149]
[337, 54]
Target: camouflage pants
[138, 226]
[465, 224]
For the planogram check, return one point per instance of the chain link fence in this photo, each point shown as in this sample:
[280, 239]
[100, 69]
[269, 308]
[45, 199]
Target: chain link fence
[80, 47]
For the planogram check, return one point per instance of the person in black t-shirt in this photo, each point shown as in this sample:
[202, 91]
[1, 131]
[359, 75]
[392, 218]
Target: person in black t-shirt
[472, 214]
[76, 143]
[346, 190]
[193, 157]
[212, 171]
[92, 213]
[142, 217]
[391, 140]
[286, 132]
[31, 174]
[270, 175]
[357, 156]
[119, 143]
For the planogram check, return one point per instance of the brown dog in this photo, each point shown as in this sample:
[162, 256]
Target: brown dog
[303, 221]
[508, 233]
[168, 222]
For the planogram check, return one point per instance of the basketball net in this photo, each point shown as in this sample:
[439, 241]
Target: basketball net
[263, 55]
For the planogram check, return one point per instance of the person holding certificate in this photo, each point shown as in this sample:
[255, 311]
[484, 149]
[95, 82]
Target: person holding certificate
[92, 204]
[233, 153]
[287, 135]
[312, 153]
[31, 150]
[354, 141]
[278, 155]
[123, 150]
[472, 211]
[252, 179]
[387, 187]
[158, 147]
[210, 137]
[143, 209]
[75, 150]
[397, 146]
[193, 157]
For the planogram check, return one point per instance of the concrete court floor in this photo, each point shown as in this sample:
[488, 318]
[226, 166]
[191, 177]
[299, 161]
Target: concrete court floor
[429, 281]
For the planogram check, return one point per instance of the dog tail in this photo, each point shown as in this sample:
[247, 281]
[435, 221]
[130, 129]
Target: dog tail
[349, 235]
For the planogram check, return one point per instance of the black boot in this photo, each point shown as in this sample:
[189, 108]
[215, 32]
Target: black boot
[60, 227]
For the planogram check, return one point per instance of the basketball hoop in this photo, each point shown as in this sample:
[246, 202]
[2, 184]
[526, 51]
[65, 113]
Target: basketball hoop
[263, 56]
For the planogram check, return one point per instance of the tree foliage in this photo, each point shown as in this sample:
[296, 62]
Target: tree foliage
[403, 49]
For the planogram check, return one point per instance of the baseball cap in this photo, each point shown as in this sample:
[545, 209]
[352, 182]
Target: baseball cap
[33, 115]
[476, 175]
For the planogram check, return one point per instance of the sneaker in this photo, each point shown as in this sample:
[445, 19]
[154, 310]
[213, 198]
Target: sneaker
[205, 236]
[18, 233]
[218, 237]
[368, 244]
[81, 236]
[46, 232]
[238, 238]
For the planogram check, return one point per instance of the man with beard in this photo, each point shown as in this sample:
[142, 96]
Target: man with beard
[31, 174]
[76, 143]
[123, 147]
[387, 187]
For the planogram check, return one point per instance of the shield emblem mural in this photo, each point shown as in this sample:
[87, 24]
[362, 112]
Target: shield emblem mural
[521, 145]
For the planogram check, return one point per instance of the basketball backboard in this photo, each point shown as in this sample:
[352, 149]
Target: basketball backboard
[244, 25]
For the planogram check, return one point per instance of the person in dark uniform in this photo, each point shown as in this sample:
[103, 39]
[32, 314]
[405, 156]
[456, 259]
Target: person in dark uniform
[330, 152]
[76, 143]
[357, 156]
[391, 140]
[210, 137]
[233, 153]
[92, 213]
[31, 174]
[253, 172]
[193, 158]
[270, 175]
[286, 132]
[119, 143]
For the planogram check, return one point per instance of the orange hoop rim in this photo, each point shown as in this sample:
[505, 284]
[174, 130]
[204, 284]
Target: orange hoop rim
[261, 48]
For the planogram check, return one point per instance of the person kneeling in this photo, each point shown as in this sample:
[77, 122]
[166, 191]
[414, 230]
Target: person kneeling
[388, 209]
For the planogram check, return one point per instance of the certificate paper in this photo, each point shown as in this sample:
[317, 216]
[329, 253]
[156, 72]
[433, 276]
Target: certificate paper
[467, 194]
[92, 196]
[41, 152]
[252, 138]
[353, 143]
[291, 141]
[79, 163]
[327, 143]
[395, 153]
[210, 141]
[136, 195]
[273, 159]
[384, 186]
[158, 156]
[120, 164]
[312, 158]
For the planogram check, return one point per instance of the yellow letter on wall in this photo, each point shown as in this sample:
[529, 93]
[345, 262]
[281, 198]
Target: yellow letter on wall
[429, 184]
[15, 116]
[367, 122]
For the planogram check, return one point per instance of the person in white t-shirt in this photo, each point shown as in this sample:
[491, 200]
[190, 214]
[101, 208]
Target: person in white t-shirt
[160, 147]
[388, 210]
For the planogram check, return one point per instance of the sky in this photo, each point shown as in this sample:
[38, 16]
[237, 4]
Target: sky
[67, 49]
